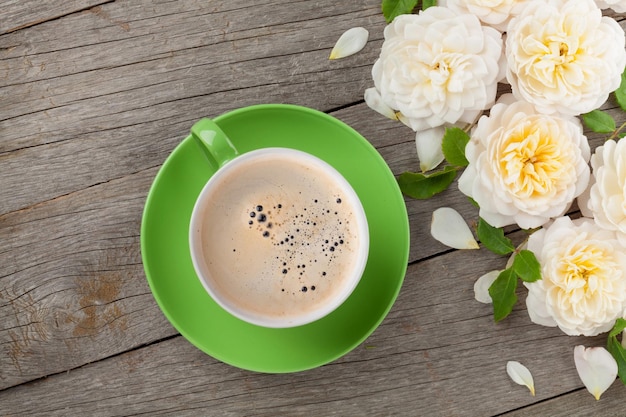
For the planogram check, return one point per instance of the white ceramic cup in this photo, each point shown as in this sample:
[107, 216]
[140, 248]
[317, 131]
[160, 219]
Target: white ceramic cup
[272, 287]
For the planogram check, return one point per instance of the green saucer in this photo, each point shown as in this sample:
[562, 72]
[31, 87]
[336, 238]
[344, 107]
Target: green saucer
[181, 296]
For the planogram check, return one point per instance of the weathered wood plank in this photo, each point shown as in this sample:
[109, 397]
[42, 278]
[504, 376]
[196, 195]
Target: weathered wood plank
[438, 353]
[91, 95]
[72, 288]
[20, 14]
[577, 404]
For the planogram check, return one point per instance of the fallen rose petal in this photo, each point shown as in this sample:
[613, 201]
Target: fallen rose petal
[596, 367]
[449, 228]
[428, 143]
[349, 43]
[520, 375]
[375, 102]
[482, 284]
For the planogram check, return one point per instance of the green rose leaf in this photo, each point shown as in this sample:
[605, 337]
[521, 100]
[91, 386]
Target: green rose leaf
[620, 326]
[619, 353]
[620, 93]
[424, 186]
[599, 121]
[526, 266]
[393, 8]
[428, 3]
[453, 146]
[493, 238]
[617, 350]
[502, 293]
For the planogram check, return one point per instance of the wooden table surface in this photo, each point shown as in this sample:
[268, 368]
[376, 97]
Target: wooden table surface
[94, 95]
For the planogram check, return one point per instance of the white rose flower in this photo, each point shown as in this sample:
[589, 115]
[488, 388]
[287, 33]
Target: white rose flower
[524, 167]
[583, 285]
[494, 13]
[617, 5]
[606, 198]
[564, 56]
[438, 67]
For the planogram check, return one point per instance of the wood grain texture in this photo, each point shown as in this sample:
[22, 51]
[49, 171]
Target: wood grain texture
[92, 104]
[94, 95]
[72, 285]
[21, 14]
[424, 359]
[577, 404]
[101, 89]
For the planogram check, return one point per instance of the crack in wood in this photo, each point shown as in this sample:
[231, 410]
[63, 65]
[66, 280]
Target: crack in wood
[53, 18]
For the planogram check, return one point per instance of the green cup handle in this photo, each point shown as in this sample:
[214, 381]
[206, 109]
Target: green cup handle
[216, 145]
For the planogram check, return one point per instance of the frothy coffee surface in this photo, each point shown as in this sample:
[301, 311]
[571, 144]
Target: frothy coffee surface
[278, 237]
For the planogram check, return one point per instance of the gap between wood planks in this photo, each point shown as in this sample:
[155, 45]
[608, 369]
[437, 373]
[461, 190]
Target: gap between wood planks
[545, 400]
[67, 371]
[53, 18]
[40, 203]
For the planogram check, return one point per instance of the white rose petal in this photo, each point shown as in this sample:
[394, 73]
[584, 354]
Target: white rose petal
[428, 143]
[374, 101]
[525, 167]
[349, 43]
[583, 285]
[520, 375]
[607, 196]
[494, 13]
[563, 56]
[617, 5]
[449, 228]
[438, 67]
[538, 311]
[482, 284]
[596, 367]
[583, 200]
[402, 118]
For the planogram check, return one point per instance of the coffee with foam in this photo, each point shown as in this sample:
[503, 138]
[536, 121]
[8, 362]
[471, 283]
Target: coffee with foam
[281, 238]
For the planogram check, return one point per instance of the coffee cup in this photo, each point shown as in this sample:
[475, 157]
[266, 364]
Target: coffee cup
[278, 237]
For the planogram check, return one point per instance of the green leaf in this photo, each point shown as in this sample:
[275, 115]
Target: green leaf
[599, 121]
[526, 266]
[620, 325]
[620, 93]
[473, 202]
[393, 8]
[428, 3]
[453, 146]
[619, 354]
[493, 238]
[616, 349]
[502, 293]
[423, 186]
